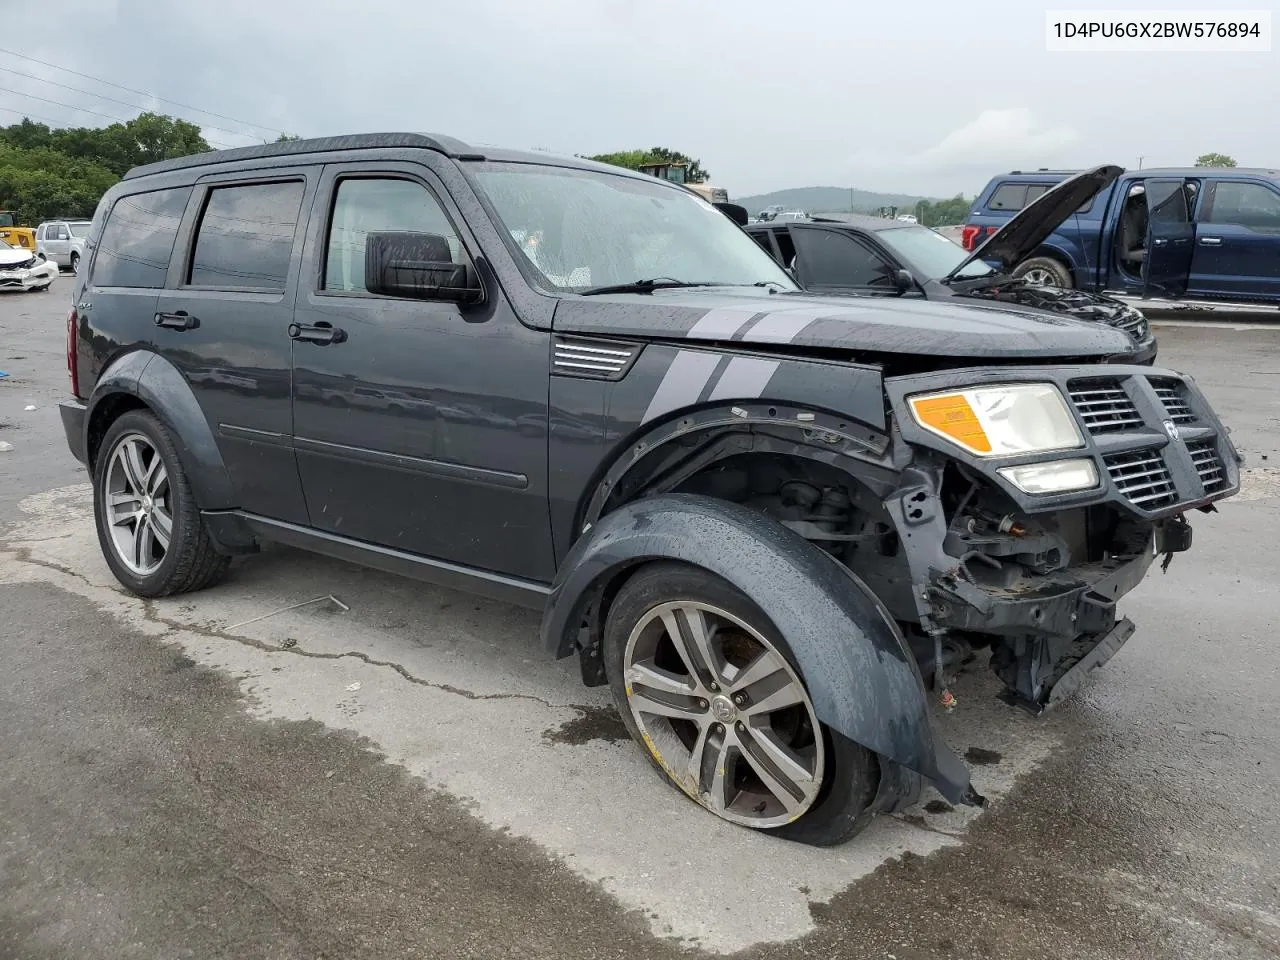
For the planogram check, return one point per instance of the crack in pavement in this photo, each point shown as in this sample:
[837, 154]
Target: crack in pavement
[152, 615]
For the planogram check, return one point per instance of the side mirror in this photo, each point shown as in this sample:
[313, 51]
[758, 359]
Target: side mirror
[738, 214]
[903, 281]
[418, 265]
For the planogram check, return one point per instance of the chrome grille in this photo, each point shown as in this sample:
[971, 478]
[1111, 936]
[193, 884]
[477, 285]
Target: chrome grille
[1133, 323]
[1142, 477]
[1103, 405]
[598, 359]
[1174, 400]
[1204, 455]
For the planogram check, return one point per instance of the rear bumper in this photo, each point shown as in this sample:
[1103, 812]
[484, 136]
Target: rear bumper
[73, 414]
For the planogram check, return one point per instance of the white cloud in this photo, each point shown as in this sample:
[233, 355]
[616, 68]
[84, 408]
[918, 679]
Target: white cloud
[997, 137]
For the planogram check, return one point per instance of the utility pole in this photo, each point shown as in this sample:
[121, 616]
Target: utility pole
[1140, 159]
[851, 199]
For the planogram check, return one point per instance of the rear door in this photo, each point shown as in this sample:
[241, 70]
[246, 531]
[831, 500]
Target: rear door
[224, 323]
[828, 259]
[1171, 235]
[1237, 252]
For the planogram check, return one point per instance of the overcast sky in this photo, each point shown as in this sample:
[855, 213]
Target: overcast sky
[917, 96]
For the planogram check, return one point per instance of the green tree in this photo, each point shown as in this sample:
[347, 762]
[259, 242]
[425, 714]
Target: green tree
[635, 159]
[940, 213]
[1214, 160]
[287, 138]
[47, 173]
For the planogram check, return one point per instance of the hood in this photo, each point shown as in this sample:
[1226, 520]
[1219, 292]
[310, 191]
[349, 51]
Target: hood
[864, 324]
[15, 256]
[1033, 224]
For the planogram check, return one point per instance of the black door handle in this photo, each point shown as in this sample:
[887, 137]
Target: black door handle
[321, 332]
[177, 321]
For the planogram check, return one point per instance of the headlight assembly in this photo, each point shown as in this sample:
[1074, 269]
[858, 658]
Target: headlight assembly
[1000, 421]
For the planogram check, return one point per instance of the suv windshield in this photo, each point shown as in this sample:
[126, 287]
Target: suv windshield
[581, 229]
[931, 252]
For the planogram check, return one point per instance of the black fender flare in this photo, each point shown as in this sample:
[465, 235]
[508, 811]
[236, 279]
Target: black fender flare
[161, 387]
[860, 672]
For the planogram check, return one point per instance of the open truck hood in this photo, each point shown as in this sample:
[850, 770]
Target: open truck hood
[1033, 224]
[877, 325]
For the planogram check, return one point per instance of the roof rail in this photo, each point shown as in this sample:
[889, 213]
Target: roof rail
[360, 141]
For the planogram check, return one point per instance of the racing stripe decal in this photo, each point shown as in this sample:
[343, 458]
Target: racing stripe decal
[721, 324]
[783, 327]
[683, 382]
[744, 379]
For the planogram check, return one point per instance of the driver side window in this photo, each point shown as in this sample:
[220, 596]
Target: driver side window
[370, 205]
[826, 258]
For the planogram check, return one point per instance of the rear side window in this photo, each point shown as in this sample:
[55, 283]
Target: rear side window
[245, 237]
[1008, 196]
[1246, 204]
[138, 237]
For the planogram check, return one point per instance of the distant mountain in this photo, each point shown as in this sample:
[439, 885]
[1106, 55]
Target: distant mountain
[828, 200]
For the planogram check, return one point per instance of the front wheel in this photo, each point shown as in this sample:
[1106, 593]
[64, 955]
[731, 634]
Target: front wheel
[149, 526]
[707, 684]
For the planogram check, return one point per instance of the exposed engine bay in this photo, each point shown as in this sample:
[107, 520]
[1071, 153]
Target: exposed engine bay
[1075, 303]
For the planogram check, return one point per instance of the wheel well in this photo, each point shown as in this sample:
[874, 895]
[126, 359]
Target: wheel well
[106, 412]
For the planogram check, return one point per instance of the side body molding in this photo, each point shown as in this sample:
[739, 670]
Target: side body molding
[158, 384]
[863, 680]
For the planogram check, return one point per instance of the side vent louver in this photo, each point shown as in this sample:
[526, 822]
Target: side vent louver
[593, 359]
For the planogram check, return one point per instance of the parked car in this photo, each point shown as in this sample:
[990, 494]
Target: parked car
[1198, 233]
[762, 517]
[22, 269]
[63, 241]
[907, 218]
[872, 255]
[768, 213]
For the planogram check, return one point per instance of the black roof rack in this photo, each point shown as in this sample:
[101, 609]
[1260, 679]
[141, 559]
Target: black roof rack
[1019, 173]
[360, 141]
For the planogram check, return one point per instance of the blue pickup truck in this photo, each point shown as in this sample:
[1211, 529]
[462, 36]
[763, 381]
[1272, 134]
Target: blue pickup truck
[1195, 233]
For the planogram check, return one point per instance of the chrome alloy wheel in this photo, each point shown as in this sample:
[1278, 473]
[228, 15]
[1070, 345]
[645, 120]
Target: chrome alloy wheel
[1040, 277]
[724, 714]
[136, 497]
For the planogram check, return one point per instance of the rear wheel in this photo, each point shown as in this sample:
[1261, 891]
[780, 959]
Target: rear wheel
[706, 683]
[1044, 272]
[75, 263]
[149, 526]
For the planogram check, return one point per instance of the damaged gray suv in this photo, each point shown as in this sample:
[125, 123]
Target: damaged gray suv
[770, 522]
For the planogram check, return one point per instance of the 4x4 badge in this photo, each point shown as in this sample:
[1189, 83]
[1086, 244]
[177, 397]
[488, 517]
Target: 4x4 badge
[1171, 429]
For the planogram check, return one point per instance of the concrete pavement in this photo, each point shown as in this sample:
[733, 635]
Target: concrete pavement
[409, 775]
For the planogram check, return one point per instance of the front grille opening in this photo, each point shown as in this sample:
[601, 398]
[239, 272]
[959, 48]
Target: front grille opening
[1103, 406]
[1142, 478]
[1204, 454]
[1174, 397]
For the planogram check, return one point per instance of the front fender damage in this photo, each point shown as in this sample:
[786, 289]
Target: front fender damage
[863, 679]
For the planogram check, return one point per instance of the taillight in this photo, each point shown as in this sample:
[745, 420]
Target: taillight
[969, 237]
[72, 321]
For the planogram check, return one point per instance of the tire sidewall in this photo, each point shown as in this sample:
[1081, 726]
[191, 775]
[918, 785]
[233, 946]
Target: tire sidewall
[851, 772]
[139, 422]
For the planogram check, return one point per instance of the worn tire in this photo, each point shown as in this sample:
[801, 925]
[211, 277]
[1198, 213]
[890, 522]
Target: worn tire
[1055, 271]
[191, 562]
[75, 263]
[851, 776]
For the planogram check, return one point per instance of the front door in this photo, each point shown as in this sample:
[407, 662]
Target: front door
[1166, 268]
[1237, 252]
[224, 323]
[57, 243]
[412, 425]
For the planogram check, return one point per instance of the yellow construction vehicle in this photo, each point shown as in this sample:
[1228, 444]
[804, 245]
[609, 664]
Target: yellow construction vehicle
[14, 235]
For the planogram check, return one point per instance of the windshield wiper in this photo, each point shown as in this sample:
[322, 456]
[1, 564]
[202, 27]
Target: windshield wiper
[648, 286]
